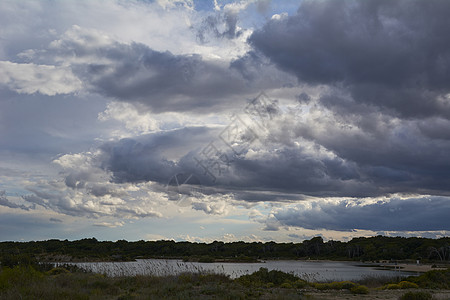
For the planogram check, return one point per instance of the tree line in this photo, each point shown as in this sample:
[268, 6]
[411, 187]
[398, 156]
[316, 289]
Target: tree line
[363, 248]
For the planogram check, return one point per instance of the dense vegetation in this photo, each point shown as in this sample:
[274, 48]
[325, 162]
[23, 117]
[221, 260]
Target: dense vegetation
[367, 249]
[24, 276]
[30, 281]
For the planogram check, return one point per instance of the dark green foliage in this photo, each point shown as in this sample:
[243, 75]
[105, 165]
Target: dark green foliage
[264, 277]
[392, 286]
[57, 271]
[377, 281]
[360, 289]
[436, 279]
[416, 296]
[408, 285]
[335, 285]
[206, 259]
[12, 260]
[24, 282]
[17, 276]
[373, 248]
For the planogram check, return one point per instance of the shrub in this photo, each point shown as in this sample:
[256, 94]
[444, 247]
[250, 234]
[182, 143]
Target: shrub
[264, 276]
[436, 279]
[392, 286]
[185, 278]
[408, 285]
[322, 286]
[376, 280]
[206, 259]
[360, 289]
[17, 276]
[416, 296]
[299, 284]
[336, 285]
[346, 285]
[12, 260]
[286, 285]
[57, 271]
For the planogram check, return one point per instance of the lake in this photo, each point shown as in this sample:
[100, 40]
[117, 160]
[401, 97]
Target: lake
[308, 270]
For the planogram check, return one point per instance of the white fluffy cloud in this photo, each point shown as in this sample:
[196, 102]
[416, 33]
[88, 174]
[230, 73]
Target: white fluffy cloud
[135, 122]
[45, 79]
[85, 190]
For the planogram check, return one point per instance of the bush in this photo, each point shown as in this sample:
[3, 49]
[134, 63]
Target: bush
[408, 285]
[343, 285]
[376, 281]
[57, 271]
[17, 276]
[392, 286]
[416, 296]
[286, 285]
[299, 284]
[322, 286]
[360, 289]
[335, 285]
[436, 279]
[263, 277]
[206, 259]
[12, 260]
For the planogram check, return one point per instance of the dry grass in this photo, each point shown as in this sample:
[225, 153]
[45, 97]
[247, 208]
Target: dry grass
[25, 282]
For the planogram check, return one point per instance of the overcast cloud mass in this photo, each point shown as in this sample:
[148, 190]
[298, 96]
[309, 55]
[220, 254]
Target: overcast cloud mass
[224, 120]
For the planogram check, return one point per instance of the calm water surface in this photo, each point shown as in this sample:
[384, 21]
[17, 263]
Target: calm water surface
[308, 270]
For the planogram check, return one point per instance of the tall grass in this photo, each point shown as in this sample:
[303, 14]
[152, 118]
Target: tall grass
[156, 267]
[178, 280]
[23, 282]
[373, 281]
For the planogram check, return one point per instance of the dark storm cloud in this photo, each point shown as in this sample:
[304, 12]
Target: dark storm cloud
[164, 81]
[385, 109]
[161, 81]
[155, 157]
[436, 128]
[271, 176]
[413, 214]
[391, 54]
[390, 154]
[296, 171]
[375, 121]
[359, 165]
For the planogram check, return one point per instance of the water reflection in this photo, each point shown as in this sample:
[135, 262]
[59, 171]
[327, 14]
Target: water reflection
[309, 270]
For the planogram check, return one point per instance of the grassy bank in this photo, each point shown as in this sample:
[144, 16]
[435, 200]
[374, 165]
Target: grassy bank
[38, 282]
[27, 283]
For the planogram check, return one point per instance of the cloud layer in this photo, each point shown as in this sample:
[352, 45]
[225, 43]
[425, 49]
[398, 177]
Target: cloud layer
[411, 214]
[384, 53]
[106, 106]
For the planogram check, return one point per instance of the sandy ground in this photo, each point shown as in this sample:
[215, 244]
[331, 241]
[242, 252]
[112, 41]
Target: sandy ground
[412, 267]
[374, 294]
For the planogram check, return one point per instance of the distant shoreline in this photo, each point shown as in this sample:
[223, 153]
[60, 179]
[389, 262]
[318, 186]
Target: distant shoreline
[401, 266]
[421, 268]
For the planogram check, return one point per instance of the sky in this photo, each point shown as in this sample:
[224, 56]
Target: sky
[220, 120]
